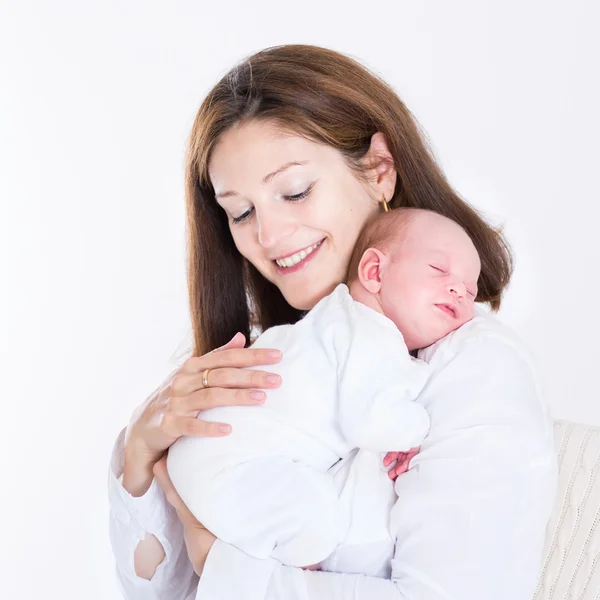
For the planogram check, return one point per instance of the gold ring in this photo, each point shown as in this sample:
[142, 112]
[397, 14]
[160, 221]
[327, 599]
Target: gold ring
[205, 378]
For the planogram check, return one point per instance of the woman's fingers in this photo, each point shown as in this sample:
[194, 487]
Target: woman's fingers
[172, 409]
[232, 357]
[186, 383]
[191, 426]
[237, 341]
[181, 419]
[185, 422]
[193, 403]
[244, 378]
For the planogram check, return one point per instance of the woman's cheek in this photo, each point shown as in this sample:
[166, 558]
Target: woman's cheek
[239, 241]
[247, 247]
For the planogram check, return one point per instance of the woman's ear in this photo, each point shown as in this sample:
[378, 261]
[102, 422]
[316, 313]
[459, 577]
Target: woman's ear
[369, 269]
[380, 163]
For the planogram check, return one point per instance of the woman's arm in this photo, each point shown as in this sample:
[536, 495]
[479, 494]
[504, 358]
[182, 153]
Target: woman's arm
[149, 553]
[470, 519]
[147, 540]
[146, 535]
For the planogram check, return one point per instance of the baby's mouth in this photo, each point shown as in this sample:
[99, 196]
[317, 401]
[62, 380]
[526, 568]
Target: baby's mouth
[448, 309]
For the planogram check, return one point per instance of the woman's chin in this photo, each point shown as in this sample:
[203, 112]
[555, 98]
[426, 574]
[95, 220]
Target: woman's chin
[302, 299]
[300, 302]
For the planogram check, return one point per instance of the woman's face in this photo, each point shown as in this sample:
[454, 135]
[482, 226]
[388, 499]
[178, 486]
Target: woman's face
[295, 208]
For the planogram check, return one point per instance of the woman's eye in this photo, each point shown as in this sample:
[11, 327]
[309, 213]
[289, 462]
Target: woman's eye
[300, 196]
[295, 198]
[242, 217]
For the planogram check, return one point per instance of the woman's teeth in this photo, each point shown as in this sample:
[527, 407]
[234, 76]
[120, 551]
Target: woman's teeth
[290, 261]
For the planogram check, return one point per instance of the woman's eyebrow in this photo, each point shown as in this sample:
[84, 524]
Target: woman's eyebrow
[293, 163]
[269, 177]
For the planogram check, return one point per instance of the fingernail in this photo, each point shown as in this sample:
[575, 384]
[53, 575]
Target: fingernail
[273, 378]
[274, 353]
[224, 428]
[258, 396]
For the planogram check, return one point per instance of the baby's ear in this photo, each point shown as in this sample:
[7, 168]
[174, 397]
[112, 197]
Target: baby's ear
[369, 269]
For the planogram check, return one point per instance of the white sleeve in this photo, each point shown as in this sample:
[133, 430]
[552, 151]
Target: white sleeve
[378, 382]
[130, 518]
[472, 510]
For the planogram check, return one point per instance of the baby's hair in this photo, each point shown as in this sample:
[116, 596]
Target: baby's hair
[380, 231]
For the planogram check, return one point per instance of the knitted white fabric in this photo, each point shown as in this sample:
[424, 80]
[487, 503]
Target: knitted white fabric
[570, 569]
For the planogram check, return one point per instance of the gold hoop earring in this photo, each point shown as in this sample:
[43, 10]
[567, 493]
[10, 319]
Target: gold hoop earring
[384, 204]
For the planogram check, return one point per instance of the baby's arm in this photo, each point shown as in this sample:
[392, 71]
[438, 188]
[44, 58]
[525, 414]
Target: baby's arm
[378, 382]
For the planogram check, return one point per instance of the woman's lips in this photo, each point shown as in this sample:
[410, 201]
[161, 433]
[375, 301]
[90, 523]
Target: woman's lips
[297, 267]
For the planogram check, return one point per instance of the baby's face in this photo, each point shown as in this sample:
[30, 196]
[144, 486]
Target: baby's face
[428, 287]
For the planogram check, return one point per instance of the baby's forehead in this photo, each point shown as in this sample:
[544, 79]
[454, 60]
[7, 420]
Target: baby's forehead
[435, 235]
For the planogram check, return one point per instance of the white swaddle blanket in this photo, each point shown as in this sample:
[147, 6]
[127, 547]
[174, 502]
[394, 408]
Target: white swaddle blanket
[348, 381]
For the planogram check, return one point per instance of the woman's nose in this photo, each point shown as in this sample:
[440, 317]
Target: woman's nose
[272, 228]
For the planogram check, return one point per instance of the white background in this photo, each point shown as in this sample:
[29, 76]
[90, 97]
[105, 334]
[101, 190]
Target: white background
[96, 102]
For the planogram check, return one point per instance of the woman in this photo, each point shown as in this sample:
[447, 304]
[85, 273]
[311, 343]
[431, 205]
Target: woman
[289, 155]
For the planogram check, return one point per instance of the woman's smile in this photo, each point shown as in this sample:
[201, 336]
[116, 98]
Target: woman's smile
[297, 261]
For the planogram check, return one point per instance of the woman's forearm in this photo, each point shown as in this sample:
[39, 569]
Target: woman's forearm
[137, 475]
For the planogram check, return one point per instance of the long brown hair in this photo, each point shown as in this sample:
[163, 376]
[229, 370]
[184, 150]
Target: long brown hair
[332, 99]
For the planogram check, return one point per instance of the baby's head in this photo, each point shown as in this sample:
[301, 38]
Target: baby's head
[420, 270]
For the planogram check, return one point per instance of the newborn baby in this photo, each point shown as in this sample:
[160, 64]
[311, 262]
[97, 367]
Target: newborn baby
[348, 381]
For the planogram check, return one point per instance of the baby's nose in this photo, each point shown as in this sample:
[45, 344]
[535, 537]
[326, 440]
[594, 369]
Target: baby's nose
[458, 289]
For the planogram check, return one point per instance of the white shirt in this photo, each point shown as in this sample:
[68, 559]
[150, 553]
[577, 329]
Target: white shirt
[470, 516]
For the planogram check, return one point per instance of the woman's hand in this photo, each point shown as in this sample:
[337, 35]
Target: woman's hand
[402, 459]
[198, 540]
[171, 411]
